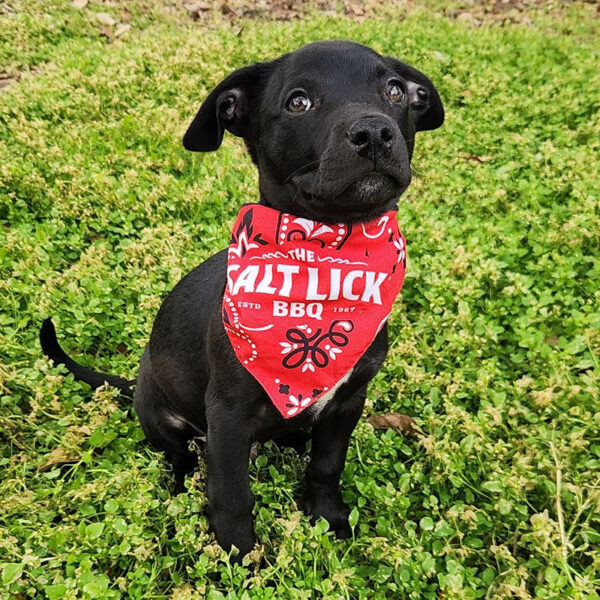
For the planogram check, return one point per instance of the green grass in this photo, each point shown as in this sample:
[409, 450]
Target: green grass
[495, 341]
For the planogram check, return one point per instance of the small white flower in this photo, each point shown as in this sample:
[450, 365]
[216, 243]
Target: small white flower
[333, 352]
[399, 244]
[286, 347]
[297, 404]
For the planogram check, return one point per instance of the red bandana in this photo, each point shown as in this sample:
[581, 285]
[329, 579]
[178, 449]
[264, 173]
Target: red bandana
[304, 300]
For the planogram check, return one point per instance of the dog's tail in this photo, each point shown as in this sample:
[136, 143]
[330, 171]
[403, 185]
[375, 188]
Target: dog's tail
[58, 356]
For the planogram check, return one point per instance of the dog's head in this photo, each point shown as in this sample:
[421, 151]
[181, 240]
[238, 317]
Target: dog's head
[331, 128]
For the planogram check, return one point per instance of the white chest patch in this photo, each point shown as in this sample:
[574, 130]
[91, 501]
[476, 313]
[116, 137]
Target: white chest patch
[322, 402]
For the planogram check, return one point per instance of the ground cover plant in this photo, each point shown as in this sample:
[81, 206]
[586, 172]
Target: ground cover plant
[494, 342]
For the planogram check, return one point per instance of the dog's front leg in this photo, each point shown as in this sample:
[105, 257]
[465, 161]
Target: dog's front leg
[230, 499]
[330, 439]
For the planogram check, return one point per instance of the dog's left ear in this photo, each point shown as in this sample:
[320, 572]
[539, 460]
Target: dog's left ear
[425, 103]
[228, 107]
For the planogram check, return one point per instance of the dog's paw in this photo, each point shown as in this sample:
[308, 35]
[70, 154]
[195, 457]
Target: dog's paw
[243, 546]
[233, 531]
[335, 513]
[341, 528]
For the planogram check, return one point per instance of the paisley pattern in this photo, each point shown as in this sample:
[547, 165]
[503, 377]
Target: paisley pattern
[304, 300]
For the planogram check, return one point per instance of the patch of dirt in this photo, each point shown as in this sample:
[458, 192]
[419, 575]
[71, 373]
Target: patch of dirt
[273, 10]
[7, 78]
[472, 12]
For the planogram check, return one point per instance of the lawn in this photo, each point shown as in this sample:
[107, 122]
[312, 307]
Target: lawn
[495, 342]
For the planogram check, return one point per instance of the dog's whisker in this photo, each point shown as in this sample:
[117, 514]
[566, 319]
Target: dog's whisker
[299, 169]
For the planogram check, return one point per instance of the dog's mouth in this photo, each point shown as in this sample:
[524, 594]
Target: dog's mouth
[371, 189]
[364, 197]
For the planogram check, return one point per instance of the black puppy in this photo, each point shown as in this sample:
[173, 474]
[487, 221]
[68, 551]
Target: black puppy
[331, 128]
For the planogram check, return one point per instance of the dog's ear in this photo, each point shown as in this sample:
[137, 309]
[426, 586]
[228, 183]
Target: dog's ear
[228, 107]
[425, 103]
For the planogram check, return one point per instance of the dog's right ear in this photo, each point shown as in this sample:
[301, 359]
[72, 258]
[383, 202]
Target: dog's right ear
[228, 107]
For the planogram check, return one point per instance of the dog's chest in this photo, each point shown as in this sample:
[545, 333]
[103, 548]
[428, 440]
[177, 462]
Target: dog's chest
[324, 400]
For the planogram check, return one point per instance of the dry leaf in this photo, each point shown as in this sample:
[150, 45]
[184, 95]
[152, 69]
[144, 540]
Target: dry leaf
[476, 157]
[195, 8]
[354, 8]
[402, 423]
[231, 12]
[6, 80]
[121, 29]
[104, 18]
[255, 555]
[254, 451]
[58, 456]
[106, 31]
[80, 3]
[479, 159]
[121, 347]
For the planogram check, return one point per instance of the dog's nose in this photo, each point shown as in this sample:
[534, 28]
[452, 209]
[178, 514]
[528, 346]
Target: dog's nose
[371, 136]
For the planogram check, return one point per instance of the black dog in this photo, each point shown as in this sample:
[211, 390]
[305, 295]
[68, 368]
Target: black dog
[331, 128]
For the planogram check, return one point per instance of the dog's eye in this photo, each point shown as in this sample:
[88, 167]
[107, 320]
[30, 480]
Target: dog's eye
[298, 102]
[394, 92]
